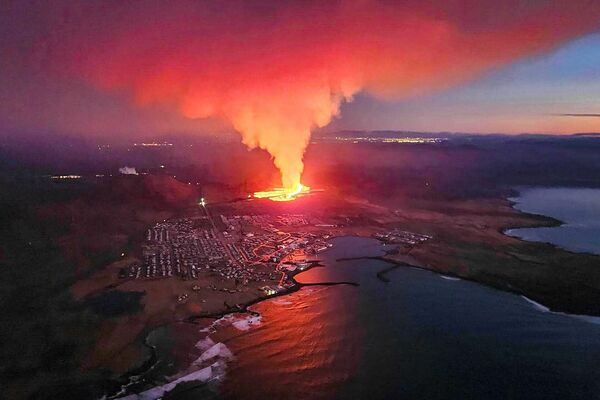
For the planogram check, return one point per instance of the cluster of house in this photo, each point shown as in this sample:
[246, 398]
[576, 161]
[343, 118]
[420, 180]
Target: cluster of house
[186, 247]
[178, 248]
[402, 237]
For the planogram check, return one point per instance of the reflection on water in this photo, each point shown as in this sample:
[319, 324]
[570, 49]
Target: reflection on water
[579, 209]
[308, 345]
[418, 337]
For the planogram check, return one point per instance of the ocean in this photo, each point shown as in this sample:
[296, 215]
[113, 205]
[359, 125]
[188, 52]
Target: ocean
[577, 208]
[420, 336]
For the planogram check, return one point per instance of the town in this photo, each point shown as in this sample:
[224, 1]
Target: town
[401, 237]
[242, 248]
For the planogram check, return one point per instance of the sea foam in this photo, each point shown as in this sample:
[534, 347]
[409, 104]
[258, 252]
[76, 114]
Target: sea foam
[540, 307]
[244, 324]
[449, 278]
[217, 350]
[202, 375]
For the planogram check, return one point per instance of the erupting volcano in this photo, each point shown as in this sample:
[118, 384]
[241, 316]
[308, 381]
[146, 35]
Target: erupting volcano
[275, 71]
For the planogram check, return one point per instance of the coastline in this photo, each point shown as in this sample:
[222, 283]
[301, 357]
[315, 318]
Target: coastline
[593, 319]
[546, 221]
[381, 275]
[241, 308]
[448, 237]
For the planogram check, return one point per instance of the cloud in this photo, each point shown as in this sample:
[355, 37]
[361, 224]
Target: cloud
[577, 115]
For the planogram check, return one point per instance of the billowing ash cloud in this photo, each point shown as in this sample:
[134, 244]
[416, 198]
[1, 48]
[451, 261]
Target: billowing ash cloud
[276, 70]
[128, 171]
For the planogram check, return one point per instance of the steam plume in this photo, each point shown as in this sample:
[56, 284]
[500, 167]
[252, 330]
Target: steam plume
[128, 170]
[276, 70]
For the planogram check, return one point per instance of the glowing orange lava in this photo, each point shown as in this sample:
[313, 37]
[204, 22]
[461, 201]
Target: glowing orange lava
[283, 194]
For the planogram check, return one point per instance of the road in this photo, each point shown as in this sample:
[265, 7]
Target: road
[220, 236]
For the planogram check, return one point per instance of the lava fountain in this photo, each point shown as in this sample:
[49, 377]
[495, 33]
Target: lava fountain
[283, 194]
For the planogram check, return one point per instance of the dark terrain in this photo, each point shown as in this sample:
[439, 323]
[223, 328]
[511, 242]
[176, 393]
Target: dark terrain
[55, 232]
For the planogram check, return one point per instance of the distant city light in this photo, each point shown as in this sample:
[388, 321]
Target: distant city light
[65, 177]
[154, 144]
[368, 139]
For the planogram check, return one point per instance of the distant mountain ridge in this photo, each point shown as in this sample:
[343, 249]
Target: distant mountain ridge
[446, 135]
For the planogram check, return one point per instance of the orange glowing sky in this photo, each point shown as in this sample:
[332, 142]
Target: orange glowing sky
[272, 70]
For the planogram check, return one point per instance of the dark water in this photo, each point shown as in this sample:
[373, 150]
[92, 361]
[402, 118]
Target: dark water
[579, 209]
[419, 336]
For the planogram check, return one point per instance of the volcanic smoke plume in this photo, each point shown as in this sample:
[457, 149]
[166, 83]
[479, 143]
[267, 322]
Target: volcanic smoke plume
[276, 70]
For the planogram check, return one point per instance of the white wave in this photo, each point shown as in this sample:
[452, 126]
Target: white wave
[203, 375]
[217, 350]
[536, 305]
[219, 353]
[240, 323]
[449, 278]
[215, 353]
[246, 323]
[211, 328]
[540, 307]
[205, 344]
[282, 302]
